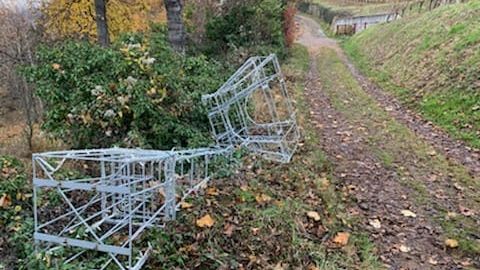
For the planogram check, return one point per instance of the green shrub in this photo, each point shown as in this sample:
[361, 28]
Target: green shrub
[16, 224]
[137, 93]
[246, 28]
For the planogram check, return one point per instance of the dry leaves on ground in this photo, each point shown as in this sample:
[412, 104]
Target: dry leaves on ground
[341, 238]
[313, 215]
[408, 213]
[205, 222]
[451, 243]
[5, 201]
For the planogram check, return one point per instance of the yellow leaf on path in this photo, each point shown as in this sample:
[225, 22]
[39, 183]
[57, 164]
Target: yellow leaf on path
[313, 215]
[432, 261]
[408, 213]
[205, 221]
[375, 223]
[5, 201]
[451, 243]
[404, 248]
[185, 205]
[341, 238]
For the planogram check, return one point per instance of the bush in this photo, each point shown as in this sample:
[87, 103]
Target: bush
[248, 27]
[137, 93]
[16, 224]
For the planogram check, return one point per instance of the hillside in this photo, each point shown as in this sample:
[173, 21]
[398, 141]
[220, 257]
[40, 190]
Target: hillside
[431, 62]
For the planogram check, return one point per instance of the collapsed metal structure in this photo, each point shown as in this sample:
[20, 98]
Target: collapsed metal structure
[119, 193]
[253, 109]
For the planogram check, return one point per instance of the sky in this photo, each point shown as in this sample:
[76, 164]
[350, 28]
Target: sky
[16, 3]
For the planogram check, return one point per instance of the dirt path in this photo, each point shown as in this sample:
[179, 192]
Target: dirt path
[384, 155]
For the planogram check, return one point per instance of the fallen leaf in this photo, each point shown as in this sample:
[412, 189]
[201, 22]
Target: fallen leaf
[5, 201]
[408, 213]
[18, 208]
[451, 215]
[228, 229]
[205, 221]
[212, 191]
[313, 215]
[324, 183]
[432, 261]
[458, 187]
[375, 223]
[263, 198]
[56, 66]
[451, 243]
[341, 238]
[404, 249]
[279, 266]
[255, 230]
[185, 205]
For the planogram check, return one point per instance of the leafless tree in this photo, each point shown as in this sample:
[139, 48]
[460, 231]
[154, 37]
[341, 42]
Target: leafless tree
[176, 28]
[19, 36]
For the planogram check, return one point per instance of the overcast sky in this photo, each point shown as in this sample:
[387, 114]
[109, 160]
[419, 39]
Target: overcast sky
[16, 3]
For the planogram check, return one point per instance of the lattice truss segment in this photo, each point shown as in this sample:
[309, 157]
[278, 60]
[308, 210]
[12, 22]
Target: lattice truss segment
[253, 109]
[116, 195]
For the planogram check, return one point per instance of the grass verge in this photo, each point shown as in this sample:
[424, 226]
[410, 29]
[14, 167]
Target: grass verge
[431, 63]
[415, 162]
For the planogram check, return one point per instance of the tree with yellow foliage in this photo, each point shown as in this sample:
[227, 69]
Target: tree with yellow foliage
[76, 18]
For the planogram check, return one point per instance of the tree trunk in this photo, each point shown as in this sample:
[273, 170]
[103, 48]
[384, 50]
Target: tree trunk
[176, 31]
[101, 20]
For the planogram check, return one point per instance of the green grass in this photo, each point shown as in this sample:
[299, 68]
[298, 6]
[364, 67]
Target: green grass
[399, 149]
[431, 62]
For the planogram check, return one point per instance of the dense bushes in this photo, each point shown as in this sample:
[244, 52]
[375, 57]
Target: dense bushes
[248, 27]
[16, 223]
[137, 93]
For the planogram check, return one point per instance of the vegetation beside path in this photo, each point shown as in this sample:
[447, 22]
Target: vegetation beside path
[431, 63]
[441, 188]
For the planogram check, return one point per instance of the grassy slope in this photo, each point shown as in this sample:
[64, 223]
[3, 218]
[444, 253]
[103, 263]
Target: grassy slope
[393, 144]
[431, 62]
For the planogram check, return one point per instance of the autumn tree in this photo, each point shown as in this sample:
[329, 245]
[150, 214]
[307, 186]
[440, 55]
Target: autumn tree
[77, 19]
